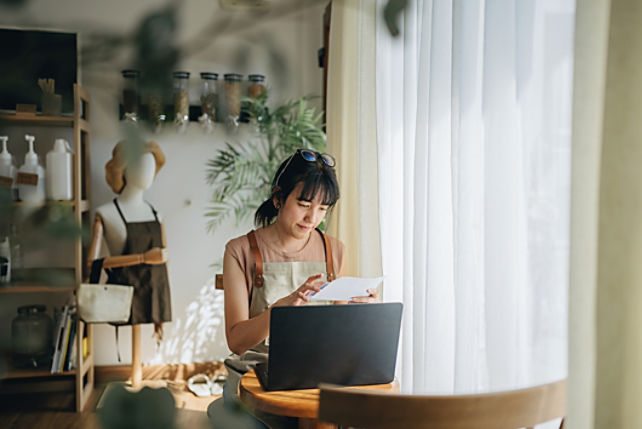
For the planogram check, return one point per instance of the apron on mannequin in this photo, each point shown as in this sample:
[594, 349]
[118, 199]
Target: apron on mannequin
[151, 302]
[272, 281]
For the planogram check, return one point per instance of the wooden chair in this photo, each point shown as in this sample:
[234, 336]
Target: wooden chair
[219, 281]
[502, 410]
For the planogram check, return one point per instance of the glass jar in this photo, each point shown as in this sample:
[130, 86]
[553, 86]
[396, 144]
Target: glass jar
[130, 94]
[156, 109]
[181, 97]
[209, 96]
[31, 337]
[255, 89]
[233, 97]
[257, 86]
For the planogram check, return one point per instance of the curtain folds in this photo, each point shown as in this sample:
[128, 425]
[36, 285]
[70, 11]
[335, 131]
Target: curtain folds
[605, 380]
[351, 134]
[453, 149]
[473, 135]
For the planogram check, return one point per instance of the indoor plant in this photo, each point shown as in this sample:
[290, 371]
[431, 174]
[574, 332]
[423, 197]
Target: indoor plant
[241, 174]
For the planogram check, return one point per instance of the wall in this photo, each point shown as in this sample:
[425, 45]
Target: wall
[179, 192]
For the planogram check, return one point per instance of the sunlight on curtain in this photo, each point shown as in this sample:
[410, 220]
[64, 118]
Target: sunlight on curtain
[473, 132]
[351, 133]
[605, 380]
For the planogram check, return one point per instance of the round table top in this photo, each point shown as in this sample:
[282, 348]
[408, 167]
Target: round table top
[293, 403]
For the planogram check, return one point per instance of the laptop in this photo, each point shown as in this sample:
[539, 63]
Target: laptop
[352, 344]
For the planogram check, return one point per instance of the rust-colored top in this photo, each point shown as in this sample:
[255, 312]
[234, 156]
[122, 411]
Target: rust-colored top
[313, 251]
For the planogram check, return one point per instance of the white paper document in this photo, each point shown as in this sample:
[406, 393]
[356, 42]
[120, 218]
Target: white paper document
[345, 288]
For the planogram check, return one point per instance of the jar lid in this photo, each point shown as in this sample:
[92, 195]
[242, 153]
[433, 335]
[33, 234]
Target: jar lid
[209, 75]
[233, 77]
[180, 75]
[256, 78]
[130, 73]
[31, 309]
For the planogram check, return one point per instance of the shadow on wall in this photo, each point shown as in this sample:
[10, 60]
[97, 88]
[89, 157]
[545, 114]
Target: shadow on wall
[199, 336]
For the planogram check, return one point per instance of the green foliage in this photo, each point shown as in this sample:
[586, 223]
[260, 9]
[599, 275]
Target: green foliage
[241, 173]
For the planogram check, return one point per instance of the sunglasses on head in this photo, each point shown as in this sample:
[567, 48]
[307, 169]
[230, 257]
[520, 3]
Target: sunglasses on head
[310, 156]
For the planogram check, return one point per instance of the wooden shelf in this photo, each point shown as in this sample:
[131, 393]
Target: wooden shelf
[18, 373]
[45, 279]
[57, 280]
[56, 121]
[84, 204]
[9, 371]
[33, 288]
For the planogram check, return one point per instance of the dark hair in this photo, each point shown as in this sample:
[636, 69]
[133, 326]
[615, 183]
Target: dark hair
[316, 176]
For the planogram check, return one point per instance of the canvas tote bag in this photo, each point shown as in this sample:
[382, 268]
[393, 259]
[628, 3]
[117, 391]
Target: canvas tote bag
[103, 303]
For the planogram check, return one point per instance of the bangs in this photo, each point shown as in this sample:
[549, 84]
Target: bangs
[320, 183]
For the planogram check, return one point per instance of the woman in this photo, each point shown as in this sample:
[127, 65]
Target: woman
[281, 262]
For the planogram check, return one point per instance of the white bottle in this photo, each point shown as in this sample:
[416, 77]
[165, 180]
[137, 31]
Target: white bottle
[5, 261]
[8, 171]
[59, 165]
[31, 177]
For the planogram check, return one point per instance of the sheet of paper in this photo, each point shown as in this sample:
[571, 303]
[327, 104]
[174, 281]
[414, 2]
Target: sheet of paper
[345, 288]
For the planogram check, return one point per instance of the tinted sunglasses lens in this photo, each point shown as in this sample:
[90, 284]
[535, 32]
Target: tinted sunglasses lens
[308, 155]
[327, 159]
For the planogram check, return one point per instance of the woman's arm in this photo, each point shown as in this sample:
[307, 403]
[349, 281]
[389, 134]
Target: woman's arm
[241, 331]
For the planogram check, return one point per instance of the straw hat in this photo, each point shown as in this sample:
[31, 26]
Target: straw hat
[115, 167]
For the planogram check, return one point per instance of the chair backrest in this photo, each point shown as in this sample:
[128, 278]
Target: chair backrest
[501, 410]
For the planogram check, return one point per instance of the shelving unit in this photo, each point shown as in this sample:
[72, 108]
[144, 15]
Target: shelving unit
[62, 280]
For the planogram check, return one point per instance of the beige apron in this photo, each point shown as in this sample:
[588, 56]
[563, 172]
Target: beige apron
[273, 281]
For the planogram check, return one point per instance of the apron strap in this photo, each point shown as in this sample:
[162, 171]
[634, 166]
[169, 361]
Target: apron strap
[153, 211]
[120, 212]
[329, 266]
[123, 216]
[258, 261]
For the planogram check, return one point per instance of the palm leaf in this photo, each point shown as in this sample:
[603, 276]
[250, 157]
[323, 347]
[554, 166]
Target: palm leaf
[241, 174]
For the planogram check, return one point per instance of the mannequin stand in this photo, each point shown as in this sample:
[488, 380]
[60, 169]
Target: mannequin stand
[137, 368]
[111, 228]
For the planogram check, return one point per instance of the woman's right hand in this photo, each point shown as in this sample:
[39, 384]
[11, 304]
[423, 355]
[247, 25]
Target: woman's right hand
[300, 296]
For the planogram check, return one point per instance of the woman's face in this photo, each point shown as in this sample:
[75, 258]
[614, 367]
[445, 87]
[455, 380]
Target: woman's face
[299, 217]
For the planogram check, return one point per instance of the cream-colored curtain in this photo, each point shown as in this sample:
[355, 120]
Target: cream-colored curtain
[352, 133]
[605, 351]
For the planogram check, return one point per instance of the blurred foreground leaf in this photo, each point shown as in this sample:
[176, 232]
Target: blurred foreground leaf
[391, 13]
[147, 408]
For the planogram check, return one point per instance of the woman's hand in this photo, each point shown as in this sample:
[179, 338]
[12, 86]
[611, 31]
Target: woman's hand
[300, 296]
[373, 296]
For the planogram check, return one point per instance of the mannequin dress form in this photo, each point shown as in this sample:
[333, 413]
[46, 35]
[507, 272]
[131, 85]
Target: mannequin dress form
[110, 227]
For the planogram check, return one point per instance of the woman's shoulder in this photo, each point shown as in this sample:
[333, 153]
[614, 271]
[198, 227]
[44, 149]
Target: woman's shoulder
[338, 254]
[238, 243]
[336, 243]
[241, 244]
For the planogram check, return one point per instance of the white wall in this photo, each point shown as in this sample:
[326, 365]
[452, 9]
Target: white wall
[179, 192]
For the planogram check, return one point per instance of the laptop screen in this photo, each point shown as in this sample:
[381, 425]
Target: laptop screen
[354, 344]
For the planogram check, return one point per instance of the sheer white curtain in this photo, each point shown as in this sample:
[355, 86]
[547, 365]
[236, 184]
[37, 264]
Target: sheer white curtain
[473, 133]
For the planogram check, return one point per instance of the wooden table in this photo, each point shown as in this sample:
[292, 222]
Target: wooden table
[303, 403]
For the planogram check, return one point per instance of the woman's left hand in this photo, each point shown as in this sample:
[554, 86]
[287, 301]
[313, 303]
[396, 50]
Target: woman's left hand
[372, 297]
